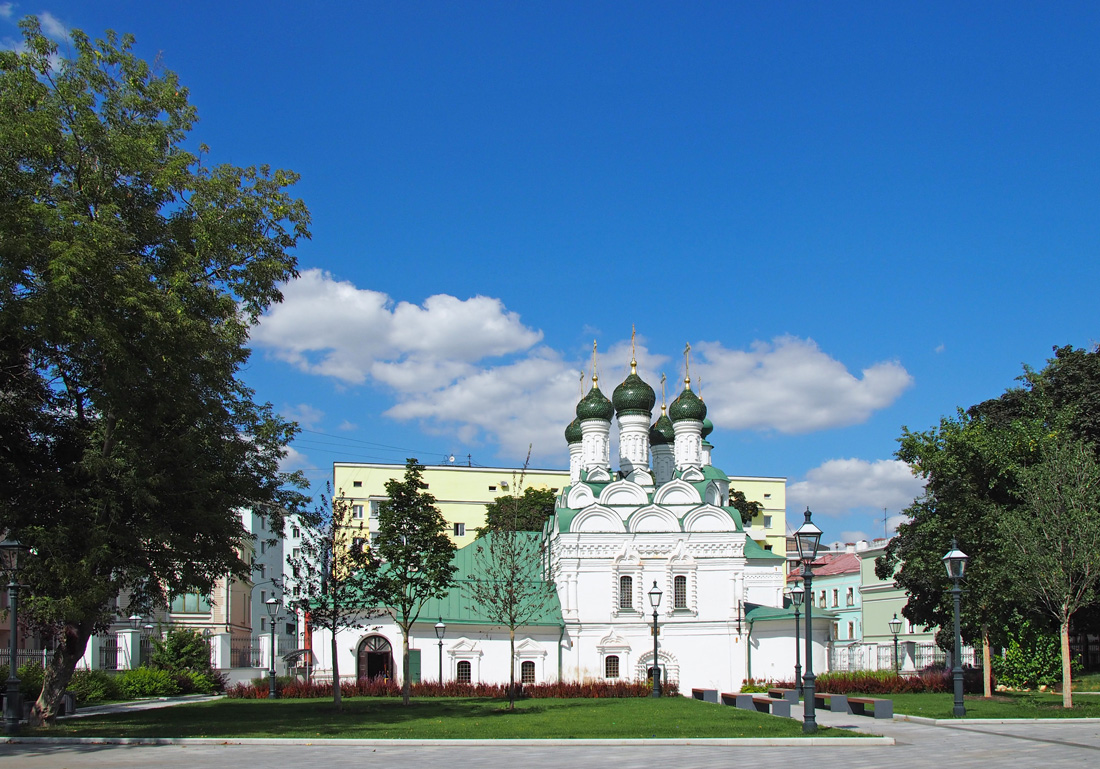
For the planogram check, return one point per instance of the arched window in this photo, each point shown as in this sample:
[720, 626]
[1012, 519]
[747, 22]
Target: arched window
[626, 593]
[680, 593]
[611, 663]
[463, 671]
[527, 672]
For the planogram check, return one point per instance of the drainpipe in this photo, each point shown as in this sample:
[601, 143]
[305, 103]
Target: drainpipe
[748, 651]
[561, 635]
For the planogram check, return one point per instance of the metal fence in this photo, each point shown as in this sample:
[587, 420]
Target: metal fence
[244, 652]
[25, 657]
[886, 659]
[108, 653]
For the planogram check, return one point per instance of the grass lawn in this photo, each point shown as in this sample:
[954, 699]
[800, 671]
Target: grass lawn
[1001, 705]
[458, 718]
[1087, 682]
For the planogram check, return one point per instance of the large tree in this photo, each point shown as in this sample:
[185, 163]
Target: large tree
[332, 577]
[130, 274]
[1054, 554]
[416, 553]
[972, 465]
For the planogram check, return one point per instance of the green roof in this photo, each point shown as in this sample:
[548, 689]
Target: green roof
[753, 550]
[457, 608]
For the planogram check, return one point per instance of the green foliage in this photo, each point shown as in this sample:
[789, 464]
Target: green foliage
[747, 509]
[1032, 658]
[146, 682]
[758, 686]
[197, 682]
[182, 649]
[93, 686]
[973, 465]
[526, 513]
[30, 678]
[130, 275]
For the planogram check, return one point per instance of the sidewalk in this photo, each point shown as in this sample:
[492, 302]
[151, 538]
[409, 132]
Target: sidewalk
[146, 704]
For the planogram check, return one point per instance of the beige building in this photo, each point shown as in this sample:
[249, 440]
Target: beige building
[461, 492]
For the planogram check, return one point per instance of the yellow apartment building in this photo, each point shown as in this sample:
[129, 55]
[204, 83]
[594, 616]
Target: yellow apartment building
[461, 492]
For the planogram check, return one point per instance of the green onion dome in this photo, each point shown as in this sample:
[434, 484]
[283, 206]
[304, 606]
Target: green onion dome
[573, 432]
[688, 406]
[661, 433]
[708, 427]
[633, 396]
[595, 405]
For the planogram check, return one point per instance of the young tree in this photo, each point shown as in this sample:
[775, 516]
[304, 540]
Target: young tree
[1054, 555]
[416, 553]
[513, 582]
[747, 509]
[333, 578]
[130, 274]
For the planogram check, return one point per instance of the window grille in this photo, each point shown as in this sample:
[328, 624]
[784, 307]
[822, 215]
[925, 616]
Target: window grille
[626, 593]
[611, 666]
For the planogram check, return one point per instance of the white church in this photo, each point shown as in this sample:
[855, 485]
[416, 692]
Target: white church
[660, 523]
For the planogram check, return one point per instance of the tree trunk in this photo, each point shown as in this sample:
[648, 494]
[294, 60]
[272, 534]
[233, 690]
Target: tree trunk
[59, 671]
[1067, 673]
[512, 668]
[404, 666]
[987, 663]
[337, 695]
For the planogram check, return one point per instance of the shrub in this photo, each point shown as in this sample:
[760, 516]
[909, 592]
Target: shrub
[181, 649]
[194, 682]
[92, 686]
[381, 687]
[1033, 658]
[30, 679]
[936, 679]
[146, 682]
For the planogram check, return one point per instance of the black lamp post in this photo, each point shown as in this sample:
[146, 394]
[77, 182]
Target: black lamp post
[895, 628]
[655, 601]
[272, 604]
[440, 629]
[11, 561]
[955, 562]
[798, 595]
[808, 538]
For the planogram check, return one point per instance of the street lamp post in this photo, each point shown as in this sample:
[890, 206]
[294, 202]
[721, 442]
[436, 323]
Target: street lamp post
[655, 601]
[440, 629]
[955, 562]
[11, 556]
[808, 537]
[895, 628]
[798, 595]
[272, 604]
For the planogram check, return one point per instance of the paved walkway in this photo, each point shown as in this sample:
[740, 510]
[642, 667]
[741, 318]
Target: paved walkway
[1050, 743]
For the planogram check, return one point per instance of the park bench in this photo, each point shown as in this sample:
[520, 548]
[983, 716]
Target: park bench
[880, 708]
[759, 703]
[706, 695]
[791, 695]
[836, 703]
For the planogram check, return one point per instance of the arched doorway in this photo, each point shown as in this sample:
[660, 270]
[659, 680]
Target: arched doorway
[374, 658]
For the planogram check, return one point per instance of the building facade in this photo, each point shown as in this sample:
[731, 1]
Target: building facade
[659, 520]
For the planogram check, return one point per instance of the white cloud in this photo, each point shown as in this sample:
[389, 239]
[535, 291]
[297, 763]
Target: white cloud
[471, 369]
[305, 415]
[53, 27]
[6, 10]
[347, 426]
[840, 485]
[294, 460]
[791, 386]
[331, 328]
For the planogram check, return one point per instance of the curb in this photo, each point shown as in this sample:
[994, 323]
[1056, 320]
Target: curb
[978, 721]
[746, 742]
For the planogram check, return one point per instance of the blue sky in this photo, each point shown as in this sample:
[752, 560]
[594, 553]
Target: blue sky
[860, 215]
